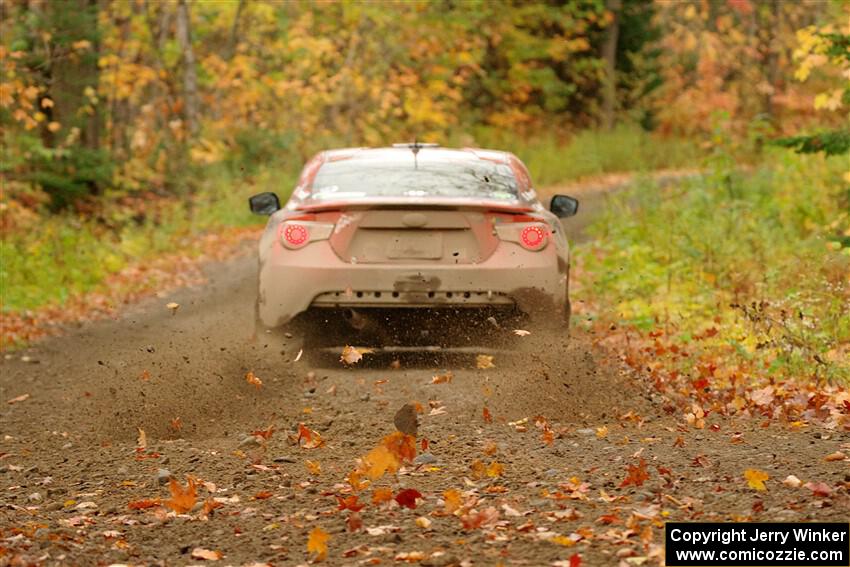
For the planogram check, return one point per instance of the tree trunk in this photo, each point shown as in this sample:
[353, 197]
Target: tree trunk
[609, 55]
[190, 77]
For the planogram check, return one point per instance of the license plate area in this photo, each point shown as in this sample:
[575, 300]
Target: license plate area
[418, 245]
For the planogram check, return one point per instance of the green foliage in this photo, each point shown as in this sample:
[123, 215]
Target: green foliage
[69, 254]
[70, 175]
[830, 143]
[592, 152]
[760, 254]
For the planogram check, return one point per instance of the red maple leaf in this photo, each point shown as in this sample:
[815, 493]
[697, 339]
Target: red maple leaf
[407, 498]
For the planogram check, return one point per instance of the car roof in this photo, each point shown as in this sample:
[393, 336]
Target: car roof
[402, 154]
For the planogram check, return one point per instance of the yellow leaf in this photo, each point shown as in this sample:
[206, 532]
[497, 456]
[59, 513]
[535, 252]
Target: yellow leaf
[380, 461]
[495, 469]
[563, 540]
[314, 467]
[484, 361]
[755, 478]
[317, 543]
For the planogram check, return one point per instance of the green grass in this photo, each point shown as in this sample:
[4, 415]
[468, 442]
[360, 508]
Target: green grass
[772, 243]
[65, 255]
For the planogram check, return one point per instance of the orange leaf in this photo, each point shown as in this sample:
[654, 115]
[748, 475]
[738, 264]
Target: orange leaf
[452, 500]
[253, 380]
[379, 461]
[637, 475]
[144, 504]
[177, 424]
[264, 433]
[381, 495]
[314, 467]
[354, 521]
[401, 445]
[443, 378]
[182, 500]
[355, 482]
[755, 478]
[210, 505]
[487, 416]
[350, 503]
[309, 439]
[317, 543]
[407, 498]
[262, 495]
[478, 519]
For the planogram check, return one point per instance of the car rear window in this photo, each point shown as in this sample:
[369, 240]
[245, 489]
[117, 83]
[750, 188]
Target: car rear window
[353, 178]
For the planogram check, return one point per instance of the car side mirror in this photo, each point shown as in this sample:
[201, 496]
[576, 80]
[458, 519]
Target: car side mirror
[264, 203]
[563, 206]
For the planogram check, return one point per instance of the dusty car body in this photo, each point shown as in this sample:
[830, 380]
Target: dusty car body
[377, 236]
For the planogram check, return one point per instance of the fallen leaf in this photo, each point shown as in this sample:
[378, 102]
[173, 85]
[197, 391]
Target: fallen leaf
[474, 519]
[819, 488]
[410, 556]
[144, 504]
[484, 361]
[182, 499]
[142, 441]
[173, 307]
[381, 495]
[352, 355]
[637, 474]
[263, 495]
[253, 380]
[317, 543]
[314, 467]
[836, 456]
[264, 434]
[488, 417]
[602, 432]
[207, 554]
[350, 503]
[407, 498]
[20, 398]
[355, 482]
[354, 522]
[495, 469]
[423, 522]
[452, 500]
[442, 378]
[176, 424]
[521, 332]
[145, 376]
[210, 505]
[298, 356]
[309, 439]
[755, 479]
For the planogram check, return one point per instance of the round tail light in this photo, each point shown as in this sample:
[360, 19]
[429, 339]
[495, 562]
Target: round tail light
[294, 235]
[533, 238]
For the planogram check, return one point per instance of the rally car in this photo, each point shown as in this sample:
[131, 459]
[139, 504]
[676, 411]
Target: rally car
[412, 246]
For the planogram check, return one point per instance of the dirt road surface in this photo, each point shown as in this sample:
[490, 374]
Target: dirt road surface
[70, 461]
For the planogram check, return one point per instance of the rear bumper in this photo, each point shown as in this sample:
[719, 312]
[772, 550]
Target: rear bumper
[292, 281]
